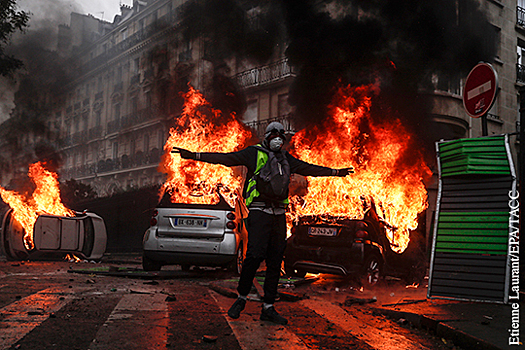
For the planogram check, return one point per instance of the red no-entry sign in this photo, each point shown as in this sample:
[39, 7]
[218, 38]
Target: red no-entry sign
[480, 90]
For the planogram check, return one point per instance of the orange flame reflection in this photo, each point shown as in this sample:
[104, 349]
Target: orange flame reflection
[387, 170]
[44, 200]
[202, 128]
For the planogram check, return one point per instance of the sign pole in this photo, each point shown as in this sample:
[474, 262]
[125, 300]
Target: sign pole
[484, 126]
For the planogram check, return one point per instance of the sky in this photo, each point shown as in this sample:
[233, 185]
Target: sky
[109, 7]
[61, 9]
[48, 14]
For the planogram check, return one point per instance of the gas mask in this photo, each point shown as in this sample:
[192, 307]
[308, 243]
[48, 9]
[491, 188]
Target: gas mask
[276, 144]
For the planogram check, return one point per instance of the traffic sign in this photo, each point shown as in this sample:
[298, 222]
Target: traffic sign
[480, 89]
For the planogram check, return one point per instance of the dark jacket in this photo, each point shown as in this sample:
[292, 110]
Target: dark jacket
[248, 158]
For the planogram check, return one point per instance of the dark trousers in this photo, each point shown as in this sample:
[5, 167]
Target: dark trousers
[266, 241]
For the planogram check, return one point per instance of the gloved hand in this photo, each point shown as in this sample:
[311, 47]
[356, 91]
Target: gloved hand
[184, 153]
[345, 171]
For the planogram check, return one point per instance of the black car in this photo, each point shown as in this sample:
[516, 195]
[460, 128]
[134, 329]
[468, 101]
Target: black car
[348, 247]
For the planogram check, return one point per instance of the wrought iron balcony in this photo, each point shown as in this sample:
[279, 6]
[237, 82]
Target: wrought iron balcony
[265, 75]
[260, 125]
[520, 73]
[520, 13]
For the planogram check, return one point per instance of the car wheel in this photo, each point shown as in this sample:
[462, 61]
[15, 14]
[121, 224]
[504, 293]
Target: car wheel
[236, 265]
[372, 270]
[240, 258]
[149, 264]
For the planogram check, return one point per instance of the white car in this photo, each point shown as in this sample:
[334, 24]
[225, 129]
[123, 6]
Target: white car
[194, 235]
[83, 235]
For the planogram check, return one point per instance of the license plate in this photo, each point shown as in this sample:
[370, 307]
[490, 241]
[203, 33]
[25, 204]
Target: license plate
[191, 222]
[322, 231]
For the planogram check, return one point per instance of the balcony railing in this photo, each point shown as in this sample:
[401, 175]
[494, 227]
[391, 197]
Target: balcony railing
[113, 126]
[260, 125]
[133, 119]
[125, 162]
[265, 75]
[520, 12]
[520, 73]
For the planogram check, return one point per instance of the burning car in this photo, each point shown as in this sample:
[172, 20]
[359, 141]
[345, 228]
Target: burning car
[349, 247]
[39, 225]
[54, 236]
[195, 234]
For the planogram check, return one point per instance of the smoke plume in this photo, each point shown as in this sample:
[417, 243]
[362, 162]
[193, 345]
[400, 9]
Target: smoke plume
[396, 44]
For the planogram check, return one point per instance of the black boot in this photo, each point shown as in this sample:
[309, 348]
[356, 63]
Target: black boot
[269, 314]
[236, 308]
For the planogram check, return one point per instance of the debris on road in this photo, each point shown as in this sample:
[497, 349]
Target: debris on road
[349, 301]
[401, 302]
[227, 292]
[209, 338]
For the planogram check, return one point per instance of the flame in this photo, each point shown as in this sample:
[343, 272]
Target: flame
[383, 174]
[44, 200]
[72, 258]
[202, 128]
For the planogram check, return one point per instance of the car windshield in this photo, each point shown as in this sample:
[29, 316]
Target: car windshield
[166, 202]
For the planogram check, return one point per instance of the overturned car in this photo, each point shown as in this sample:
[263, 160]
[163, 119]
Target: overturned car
[83, 235]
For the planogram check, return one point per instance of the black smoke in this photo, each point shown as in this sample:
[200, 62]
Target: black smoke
[398, 44]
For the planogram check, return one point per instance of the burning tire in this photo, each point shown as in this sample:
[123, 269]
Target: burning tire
[372, 270]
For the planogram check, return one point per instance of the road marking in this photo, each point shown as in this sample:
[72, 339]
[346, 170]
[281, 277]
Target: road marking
[258, 335]
[22, 316]
[378, 339]
[143, 318]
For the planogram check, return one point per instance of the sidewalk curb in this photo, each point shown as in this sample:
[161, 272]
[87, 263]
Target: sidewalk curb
[441, 329]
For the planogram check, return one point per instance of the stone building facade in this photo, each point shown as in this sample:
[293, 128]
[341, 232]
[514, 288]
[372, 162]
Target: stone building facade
[114, 116]
[118, 110]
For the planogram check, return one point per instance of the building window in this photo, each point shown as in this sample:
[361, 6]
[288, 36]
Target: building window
[98, 118]
[115, 150]
[521, 13]
[161, 139]
[124, 33]
[520, 66]
[117, 111]
[146, 143]
[283, 108]
[134, 104]
[251, 114]
[132, 147]
[148, 99]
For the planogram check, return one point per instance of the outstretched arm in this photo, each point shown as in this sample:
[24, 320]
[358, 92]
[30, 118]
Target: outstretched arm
[242, 157]
[306, 169]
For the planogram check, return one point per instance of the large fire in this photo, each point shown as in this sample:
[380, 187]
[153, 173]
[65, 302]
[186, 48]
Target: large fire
[45, 199]
[349, 137]
[202, 128]
[380, 153]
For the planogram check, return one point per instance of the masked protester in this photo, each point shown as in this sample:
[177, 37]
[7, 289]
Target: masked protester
[266, 193]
